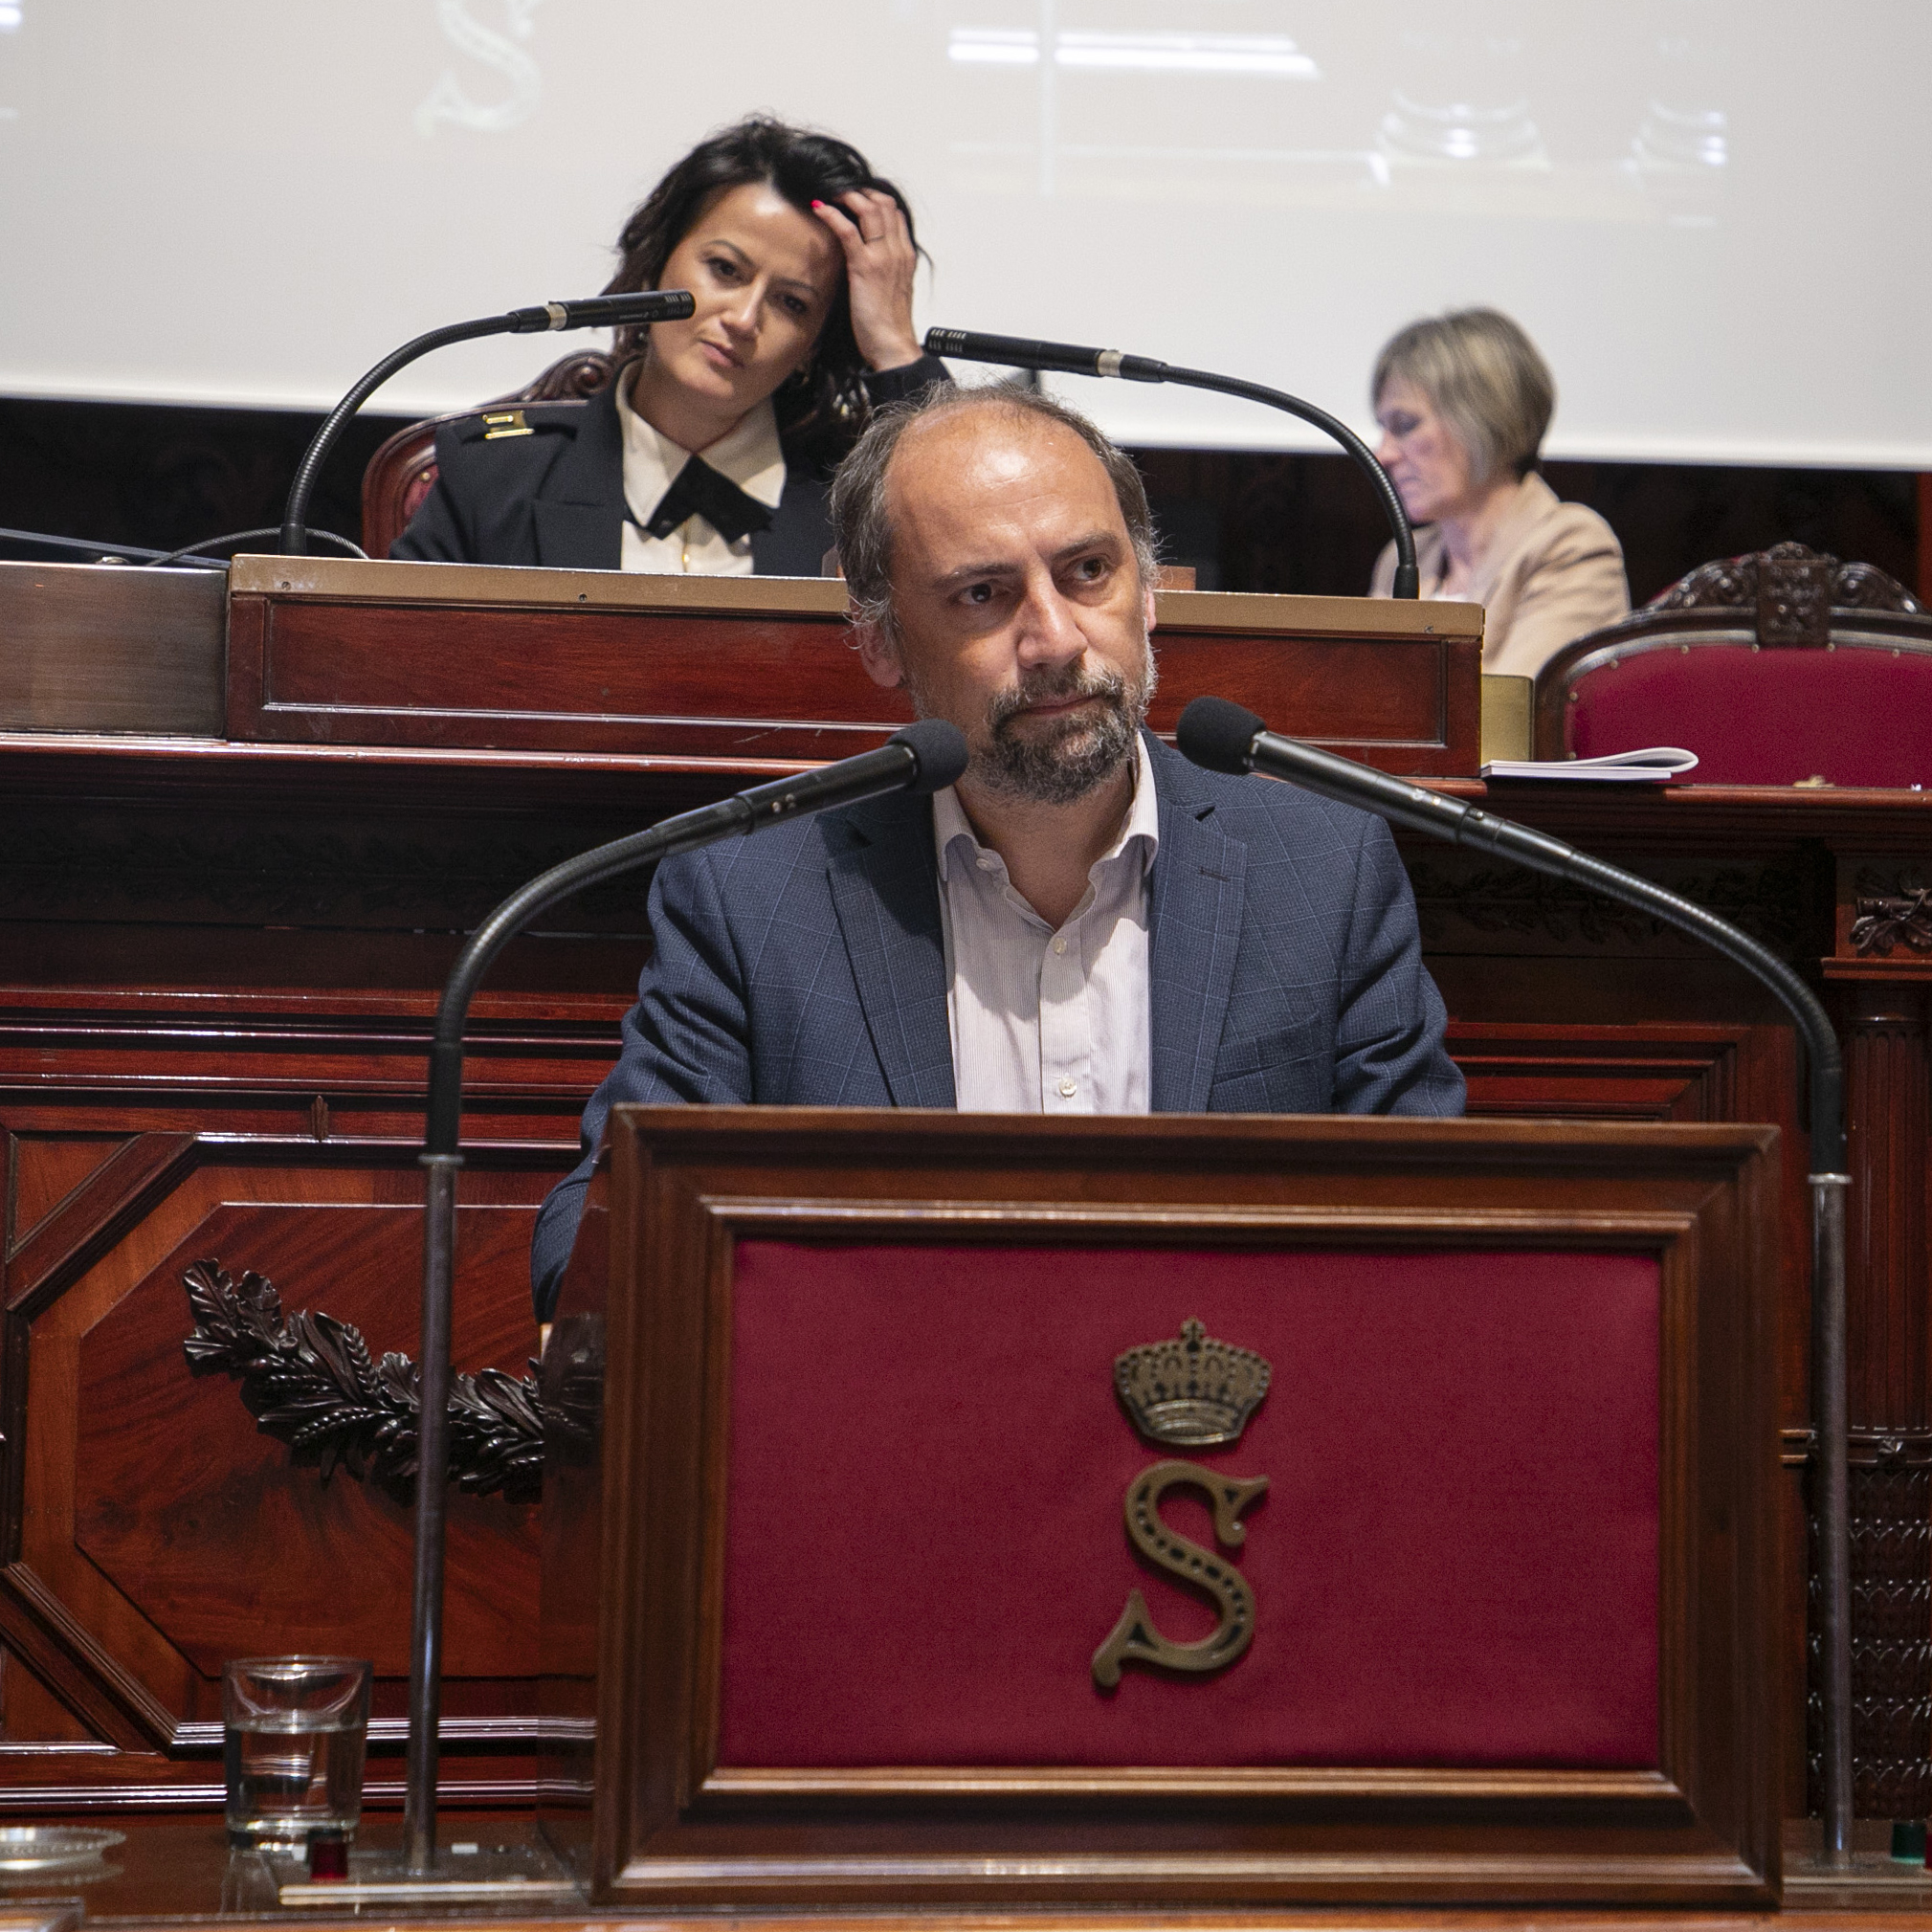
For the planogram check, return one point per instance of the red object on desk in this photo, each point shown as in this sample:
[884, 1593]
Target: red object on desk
[328, 1856]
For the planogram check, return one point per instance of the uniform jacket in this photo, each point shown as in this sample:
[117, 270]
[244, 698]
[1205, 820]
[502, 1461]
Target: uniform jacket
[806, 967]
[556, 495]
[1555, 571]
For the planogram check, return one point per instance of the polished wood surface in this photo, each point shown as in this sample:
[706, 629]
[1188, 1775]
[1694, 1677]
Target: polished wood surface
[668, 1828]
[238, 946]
[154, 1532]
[324, 650]
[179, 1872]
[245, 942]
[332, 651]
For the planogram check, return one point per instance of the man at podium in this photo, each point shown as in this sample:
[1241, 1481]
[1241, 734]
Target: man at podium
[1085, 922]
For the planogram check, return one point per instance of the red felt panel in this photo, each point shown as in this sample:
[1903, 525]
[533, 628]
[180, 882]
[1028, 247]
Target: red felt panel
[1854, 716]
[1457, 1563]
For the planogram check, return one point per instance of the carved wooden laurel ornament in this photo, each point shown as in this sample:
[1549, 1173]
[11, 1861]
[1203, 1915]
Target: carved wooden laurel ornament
[1198, 1393]
[310, 1380]
[1889, 913]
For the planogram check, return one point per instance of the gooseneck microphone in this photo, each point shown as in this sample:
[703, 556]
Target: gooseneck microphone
[1021, 353]
[594, 312]
[1227, 737]
[922, 759]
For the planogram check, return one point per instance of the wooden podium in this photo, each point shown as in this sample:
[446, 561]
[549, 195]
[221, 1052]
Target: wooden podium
[834, 1518]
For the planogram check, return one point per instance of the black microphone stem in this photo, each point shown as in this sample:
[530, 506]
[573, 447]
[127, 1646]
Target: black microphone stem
[1461, 823]
[439, 1268]
[1408, 581]
[594, 312]
[295, 516]
[925, 756]
[1067, 358]
[1224, 737]
[441, 1158]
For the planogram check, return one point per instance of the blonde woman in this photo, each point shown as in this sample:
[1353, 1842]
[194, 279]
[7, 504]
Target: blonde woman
[1463, 400]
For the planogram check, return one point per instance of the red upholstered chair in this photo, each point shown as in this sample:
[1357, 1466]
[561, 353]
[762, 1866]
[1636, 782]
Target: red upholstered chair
[1774, 668]
[400, 473]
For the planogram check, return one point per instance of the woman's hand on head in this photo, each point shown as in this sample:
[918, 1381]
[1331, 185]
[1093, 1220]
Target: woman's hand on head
[880, 260]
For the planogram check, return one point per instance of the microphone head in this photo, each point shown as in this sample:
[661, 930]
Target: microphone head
[1218, 734]
[651, 305]
[940, 749]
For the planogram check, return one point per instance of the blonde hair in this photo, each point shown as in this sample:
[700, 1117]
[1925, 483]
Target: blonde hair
[1485, 380]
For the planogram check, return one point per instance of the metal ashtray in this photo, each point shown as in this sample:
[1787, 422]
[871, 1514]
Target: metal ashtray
[53, 1848]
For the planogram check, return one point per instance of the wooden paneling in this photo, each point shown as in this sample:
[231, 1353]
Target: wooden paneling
[152, 1529]
[702, 686]
[43, 1171]
[158, 1532]
[252, 1545]
[246, 941]
[324, 652]
[1669, 1073]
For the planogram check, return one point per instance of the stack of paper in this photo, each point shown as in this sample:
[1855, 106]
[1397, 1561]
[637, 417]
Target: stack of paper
[1652, 766]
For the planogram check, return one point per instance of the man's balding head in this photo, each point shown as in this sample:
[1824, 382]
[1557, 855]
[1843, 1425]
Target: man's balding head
[999, 566]
[863, 497]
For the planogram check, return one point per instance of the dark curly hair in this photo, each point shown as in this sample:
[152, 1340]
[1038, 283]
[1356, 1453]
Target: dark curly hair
[823, 403]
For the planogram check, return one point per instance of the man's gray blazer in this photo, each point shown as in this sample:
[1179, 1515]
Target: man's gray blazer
[806, 967]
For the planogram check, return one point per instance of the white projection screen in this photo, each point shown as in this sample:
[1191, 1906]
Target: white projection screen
[1710, 214]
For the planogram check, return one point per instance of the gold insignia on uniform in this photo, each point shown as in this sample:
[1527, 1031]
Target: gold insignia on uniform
[506, 423]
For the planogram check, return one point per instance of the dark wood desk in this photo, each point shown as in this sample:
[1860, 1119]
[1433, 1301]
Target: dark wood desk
[218, 960]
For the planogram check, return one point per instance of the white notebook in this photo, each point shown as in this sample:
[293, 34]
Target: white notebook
[1650, 766]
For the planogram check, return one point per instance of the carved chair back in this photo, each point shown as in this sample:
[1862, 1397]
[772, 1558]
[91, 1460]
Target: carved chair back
[1781, 667]
[400, 473]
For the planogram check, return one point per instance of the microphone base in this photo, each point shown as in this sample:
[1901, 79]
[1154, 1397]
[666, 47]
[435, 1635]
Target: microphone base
[497, 1871]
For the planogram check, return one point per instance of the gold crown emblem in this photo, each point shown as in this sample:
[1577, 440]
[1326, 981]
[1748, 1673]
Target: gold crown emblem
[1194, 1391]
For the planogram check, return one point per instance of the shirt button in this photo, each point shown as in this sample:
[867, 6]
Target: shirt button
[1069, 1087]
[1059, 944]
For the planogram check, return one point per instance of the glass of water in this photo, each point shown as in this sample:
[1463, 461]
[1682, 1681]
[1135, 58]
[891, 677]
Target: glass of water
[294, 1730]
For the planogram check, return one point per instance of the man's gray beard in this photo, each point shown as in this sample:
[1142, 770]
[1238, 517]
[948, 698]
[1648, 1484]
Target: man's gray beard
[1078, 754]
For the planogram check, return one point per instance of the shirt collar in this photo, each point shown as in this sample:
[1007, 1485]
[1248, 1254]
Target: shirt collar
[950, 824]
[749, 453]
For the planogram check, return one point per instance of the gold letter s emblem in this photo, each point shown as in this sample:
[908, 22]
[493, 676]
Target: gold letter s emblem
[1134, 1639]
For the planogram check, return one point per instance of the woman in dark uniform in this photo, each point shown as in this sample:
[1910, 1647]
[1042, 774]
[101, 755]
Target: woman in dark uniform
[709, 450]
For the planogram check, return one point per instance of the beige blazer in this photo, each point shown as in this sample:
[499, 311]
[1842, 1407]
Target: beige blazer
[1555, 571]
